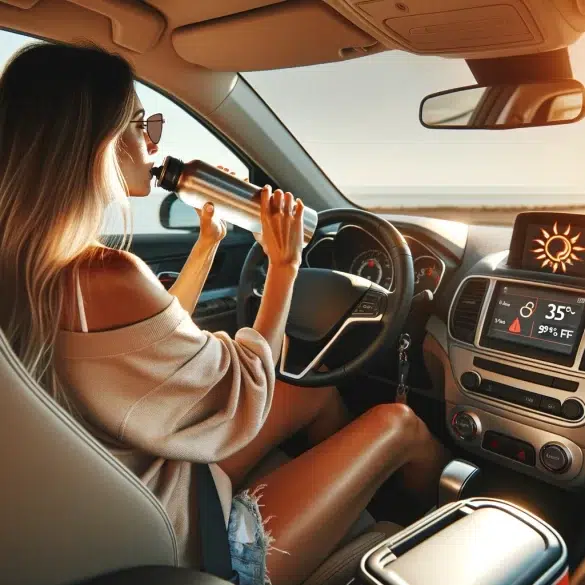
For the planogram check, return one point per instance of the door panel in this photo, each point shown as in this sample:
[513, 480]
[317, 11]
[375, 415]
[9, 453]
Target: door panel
[168, 252]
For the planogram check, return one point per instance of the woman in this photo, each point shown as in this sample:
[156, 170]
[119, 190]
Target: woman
[95, 327]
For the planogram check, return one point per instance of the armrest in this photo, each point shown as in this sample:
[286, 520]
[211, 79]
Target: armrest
[156, 576]
[479, 541]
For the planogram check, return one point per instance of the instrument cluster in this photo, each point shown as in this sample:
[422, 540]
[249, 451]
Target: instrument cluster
[354, 250]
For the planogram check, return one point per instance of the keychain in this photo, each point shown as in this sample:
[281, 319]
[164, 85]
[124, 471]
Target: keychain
[403, 367]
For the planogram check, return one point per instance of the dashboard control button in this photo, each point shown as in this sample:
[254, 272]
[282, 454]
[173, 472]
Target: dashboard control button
[509, 447]
[489, 388]
[511, 394]
[464, 425]
[528, 399]
[470, 380]
[550, 405]
[555, 458]
[370, 306]
[508, 393]
[572, 409]
[365, 308]
[568, 385]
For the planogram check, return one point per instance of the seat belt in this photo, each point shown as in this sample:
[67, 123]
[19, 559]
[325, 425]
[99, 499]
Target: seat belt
[214, 544]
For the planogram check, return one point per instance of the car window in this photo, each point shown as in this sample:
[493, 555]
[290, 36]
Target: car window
[183, 137]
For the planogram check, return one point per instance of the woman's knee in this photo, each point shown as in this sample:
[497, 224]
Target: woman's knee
[401, 419]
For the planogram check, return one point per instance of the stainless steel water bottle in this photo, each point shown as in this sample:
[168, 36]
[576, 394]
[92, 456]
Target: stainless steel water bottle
[236, 201]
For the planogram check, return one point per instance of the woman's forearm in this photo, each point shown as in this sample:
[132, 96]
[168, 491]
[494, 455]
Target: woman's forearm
[272, 315]
[190, 282]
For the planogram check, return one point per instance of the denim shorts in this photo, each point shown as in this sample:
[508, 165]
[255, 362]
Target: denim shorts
[249, 541]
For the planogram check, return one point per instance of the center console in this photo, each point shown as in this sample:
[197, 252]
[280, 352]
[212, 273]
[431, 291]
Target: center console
[480, 541]
[516, 349]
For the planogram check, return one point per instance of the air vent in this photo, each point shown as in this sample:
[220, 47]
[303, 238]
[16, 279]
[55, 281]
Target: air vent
[465, 313]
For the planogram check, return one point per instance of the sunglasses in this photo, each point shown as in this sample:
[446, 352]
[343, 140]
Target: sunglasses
[153, 125]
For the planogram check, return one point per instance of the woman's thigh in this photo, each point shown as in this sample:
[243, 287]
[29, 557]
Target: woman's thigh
[293, 408]
[310, 502]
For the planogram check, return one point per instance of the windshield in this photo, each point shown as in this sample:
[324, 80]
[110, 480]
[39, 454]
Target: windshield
[359, 121]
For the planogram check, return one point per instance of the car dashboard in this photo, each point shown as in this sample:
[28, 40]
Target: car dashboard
[504, 341]
[352, 249]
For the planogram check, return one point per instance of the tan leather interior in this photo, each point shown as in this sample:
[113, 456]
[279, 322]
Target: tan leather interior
[181, 13]
[244, 35]
[341, 567]
[468, 28]
[91, 516]
[24, 4]
[282, 35]
[135, 25]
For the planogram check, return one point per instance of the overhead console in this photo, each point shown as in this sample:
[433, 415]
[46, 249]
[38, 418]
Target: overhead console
[516, 350]
[468, 28]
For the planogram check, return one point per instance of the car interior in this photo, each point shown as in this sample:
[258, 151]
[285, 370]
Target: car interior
[487, 306]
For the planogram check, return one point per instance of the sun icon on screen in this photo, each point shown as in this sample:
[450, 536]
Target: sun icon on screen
[557, 249]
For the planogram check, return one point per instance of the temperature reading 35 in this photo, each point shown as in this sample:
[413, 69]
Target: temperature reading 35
[558, 312]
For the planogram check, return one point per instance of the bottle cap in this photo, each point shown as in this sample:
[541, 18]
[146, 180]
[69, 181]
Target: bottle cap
[169, 174]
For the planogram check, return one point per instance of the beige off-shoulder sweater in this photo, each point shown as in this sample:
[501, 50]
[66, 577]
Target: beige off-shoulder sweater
[161, 394]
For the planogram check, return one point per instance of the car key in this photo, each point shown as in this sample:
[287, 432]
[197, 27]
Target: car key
[403, 368]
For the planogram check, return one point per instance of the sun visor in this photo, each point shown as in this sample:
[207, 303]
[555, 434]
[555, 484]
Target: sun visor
[22, 4]
[135, 25]
[283, 35]
[184, 12]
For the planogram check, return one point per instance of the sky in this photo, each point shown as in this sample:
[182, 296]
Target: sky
[359, 121]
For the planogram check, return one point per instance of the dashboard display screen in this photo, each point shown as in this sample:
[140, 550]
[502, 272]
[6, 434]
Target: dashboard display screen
[558, 247]
[537, 317]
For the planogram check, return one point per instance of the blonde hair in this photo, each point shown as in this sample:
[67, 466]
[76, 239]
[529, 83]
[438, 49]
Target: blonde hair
[63, 110]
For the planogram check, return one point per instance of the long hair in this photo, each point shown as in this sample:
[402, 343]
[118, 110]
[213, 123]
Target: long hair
[62, 112]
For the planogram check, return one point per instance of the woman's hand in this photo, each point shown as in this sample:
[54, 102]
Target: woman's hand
[282, 228]
[282, 241]
[212, 229]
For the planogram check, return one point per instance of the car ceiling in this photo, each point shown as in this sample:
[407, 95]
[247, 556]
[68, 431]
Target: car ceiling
[191, 49]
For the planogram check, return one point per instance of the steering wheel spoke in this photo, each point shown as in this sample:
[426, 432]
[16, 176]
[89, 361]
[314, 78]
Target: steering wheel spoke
[359, 315]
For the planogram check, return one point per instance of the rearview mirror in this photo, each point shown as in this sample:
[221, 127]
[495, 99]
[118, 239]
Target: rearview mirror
[505, 106]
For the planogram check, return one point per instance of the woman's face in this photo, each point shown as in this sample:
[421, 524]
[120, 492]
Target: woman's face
[137, 150]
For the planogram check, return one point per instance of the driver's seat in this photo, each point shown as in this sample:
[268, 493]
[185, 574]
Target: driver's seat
[70, 511]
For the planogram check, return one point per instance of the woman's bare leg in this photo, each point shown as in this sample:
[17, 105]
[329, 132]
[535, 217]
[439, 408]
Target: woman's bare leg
[318, 410]
[316, 497]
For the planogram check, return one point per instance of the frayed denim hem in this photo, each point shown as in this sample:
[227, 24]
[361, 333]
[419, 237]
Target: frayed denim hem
[249, 540]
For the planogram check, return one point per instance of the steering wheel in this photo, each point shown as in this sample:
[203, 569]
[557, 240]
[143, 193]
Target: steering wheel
[326, 302]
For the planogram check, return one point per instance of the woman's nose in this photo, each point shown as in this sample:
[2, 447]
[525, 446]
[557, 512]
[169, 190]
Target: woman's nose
[151, 146]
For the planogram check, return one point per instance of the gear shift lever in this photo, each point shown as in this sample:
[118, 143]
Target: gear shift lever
[457, 475]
